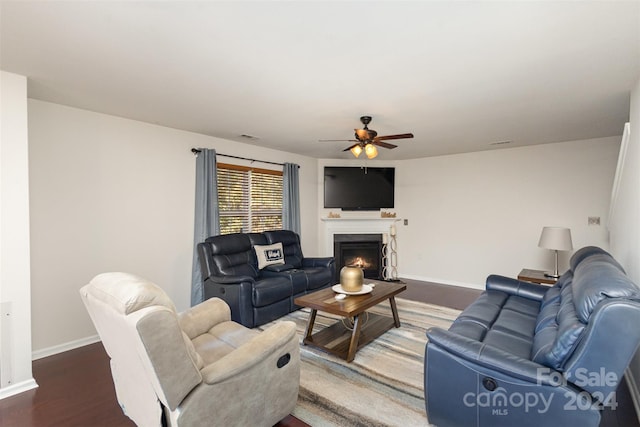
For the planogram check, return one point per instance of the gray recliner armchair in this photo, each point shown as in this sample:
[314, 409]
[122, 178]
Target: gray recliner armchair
[198, 367]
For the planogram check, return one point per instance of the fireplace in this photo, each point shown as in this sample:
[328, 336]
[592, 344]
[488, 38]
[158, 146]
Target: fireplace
[360, 250]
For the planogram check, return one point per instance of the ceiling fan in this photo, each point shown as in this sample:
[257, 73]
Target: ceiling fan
[367, 139]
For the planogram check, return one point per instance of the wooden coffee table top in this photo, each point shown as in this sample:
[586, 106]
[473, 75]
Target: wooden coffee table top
[324, 299]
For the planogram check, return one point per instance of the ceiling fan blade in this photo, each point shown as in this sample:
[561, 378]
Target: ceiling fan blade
[383, 144]
[399, 136]
[349, 148]
[337, 140]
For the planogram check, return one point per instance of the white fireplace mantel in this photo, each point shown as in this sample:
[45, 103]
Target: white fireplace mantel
[354, 226]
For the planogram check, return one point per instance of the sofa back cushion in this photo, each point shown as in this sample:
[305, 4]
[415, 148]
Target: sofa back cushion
[232, 255]
[583, 253]
[566, 308]
[596, 278]
[290, 245]
[127, 293]
[550, 304]
[258, 239]
[558, 328]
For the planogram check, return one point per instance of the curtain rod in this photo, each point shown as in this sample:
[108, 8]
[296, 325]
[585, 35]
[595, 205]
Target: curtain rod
[196, 151]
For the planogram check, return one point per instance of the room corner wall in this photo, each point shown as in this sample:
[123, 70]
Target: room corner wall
[15, 280]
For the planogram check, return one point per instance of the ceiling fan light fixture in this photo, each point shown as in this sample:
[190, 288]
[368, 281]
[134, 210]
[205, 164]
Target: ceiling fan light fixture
[371, 151]
[367, 139]
[356, 150]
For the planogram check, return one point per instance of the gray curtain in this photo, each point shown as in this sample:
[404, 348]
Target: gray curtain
[207, 218]
[291, 197]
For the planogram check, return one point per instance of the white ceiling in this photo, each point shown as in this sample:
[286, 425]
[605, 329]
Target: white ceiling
[459, 75]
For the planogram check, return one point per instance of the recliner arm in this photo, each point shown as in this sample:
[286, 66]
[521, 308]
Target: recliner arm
[492, 357]
[271, 340]
[516, 287]
[202, 317]
[326, 262]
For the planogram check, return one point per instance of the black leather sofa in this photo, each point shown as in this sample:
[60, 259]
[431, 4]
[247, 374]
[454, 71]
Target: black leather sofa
[532, 355]
[257, 296]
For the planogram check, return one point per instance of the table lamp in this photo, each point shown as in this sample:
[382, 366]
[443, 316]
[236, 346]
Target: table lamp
[556, 239]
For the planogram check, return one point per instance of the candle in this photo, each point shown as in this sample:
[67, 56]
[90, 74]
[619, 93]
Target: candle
[384, 238]
[393, 229]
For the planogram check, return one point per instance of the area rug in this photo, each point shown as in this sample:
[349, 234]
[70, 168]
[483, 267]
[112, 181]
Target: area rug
[383, 386]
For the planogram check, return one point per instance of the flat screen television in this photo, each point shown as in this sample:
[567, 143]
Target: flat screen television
[358, 188]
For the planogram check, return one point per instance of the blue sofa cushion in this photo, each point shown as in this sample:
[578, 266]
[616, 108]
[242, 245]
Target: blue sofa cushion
[484, 310]
[509, 342]
[548, 312]
[476, 320]
[556, 336]
[550, 304]
[503, 321]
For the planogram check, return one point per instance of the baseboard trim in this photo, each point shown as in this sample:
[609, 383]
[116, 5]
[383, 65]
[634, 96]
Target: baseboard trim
[444, 282]
[18, 388]
[633, 391]
[50, 351]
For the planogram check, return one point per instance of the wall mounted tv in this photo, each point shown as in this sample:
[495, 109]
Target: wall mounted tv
[358, 188]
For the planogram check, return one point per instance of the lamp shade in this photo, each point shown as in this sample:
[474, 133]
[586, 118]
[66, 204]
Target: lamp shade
[556, 238]
[356, 150]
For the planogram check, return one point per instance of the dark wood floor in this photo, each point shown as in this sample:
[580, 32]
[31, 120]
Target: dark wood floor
[76, 390]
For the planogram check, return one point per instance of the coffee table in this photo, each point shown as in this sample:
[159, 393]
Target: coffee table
[337, 339]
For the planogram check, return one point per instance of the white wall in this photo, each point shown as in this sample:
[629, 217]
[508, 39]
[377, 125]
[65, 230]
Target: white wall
[624, 226]
[111, 194]
[15, 292]
[474, 214]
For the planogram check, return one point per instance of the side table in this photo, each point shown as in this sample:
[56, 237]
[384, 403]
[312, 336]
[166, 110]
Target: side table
[536, 276]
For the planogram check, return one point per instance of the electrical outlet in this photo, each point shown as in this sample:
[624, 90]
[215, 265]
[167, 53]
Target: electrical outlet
[594, 220]
[406, 222]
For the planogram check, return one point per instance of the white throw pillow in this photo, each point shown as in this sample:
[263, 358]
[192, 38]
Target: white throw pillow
[269, 254]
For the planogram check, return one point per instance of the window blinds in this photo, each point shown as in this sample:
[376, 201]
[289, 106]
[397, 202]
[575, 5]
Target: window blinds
[249, 199]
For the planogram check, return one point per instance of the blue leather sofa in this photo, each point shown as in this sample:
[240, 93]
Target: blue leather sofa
[525, 354]
[230, 271]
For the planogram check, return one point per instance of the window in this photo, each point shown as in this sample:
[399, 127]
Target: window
[249, 199]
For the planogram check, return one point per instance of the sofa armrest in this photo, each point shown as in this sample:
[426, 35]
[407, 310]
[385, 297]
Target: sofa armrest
[279, 268]
[230, 280]
[326, 262]
[492, 357]
[271, 340]
[202, 317]
[516, 287]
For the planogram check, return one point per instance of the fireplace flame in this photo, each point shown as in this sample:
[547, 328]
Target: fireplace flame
[360, 262]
